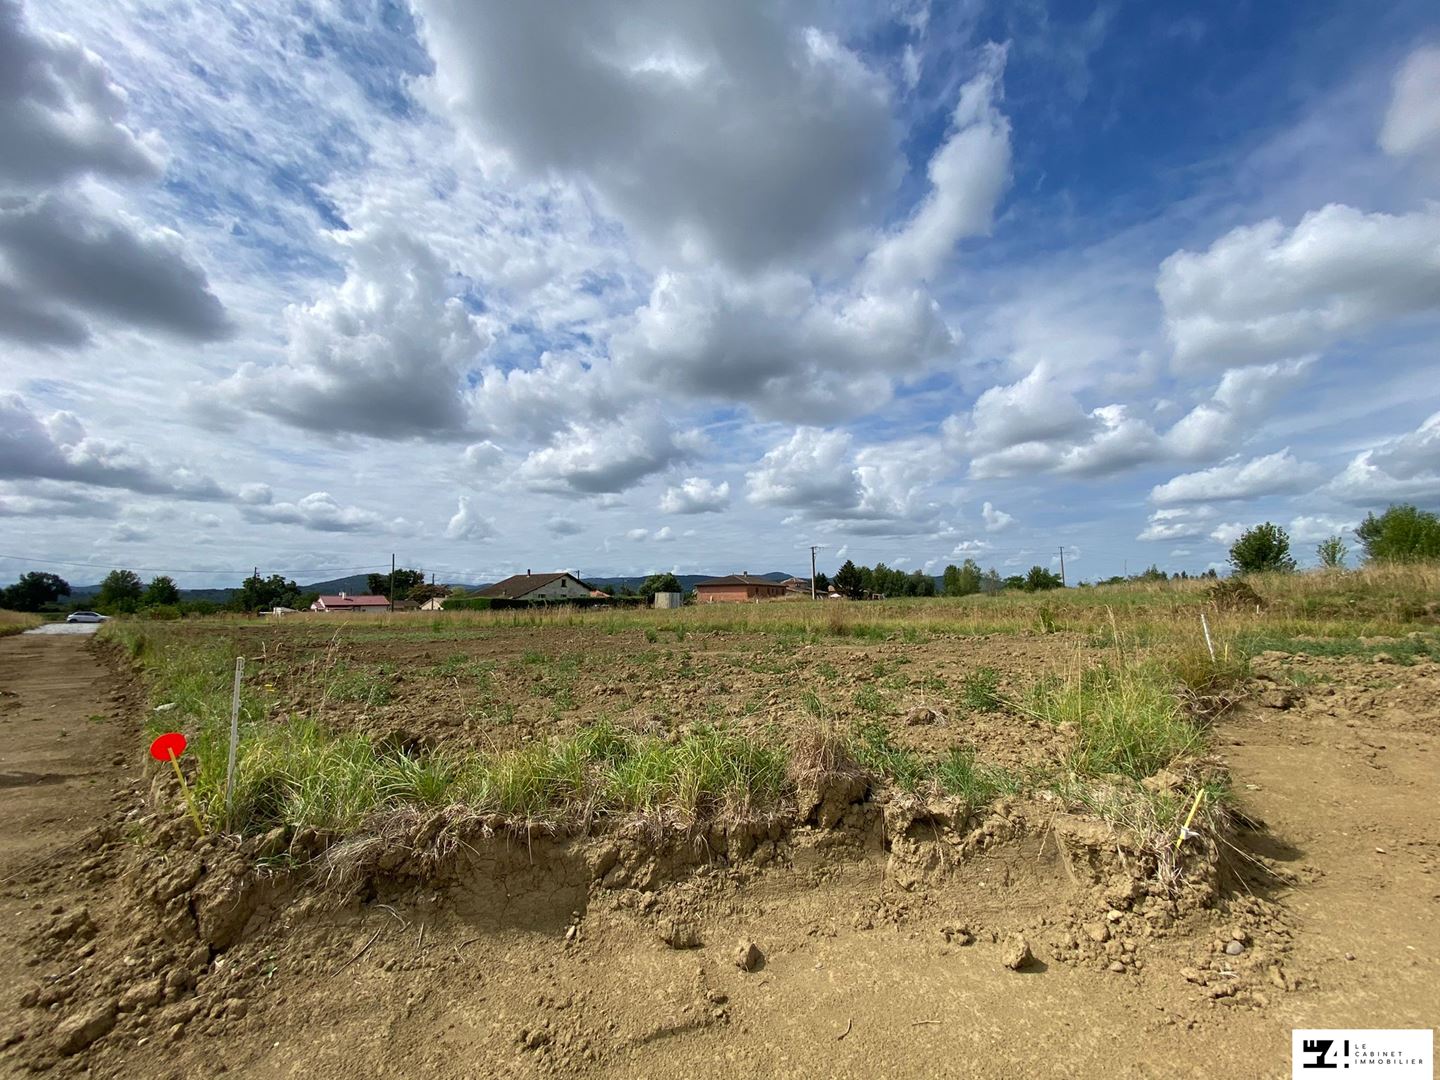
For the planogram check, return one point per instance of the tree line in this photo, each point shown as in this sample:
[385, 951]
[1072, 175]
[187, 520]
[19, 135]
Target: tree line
[864, 582]
[1402, 534]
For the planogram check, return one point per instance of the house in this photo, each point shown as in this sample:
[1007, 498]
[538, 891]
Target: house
[406, 605]
[528, 586]
[435, 603]
[797, 586]
[737, 589]
[343, 603]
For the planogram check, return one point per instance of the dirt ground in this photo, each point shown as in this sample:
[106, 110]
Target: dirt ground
[516, 961]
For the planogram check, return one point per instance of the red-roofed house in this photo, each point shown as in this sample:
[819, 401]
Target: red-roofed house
[344, 602]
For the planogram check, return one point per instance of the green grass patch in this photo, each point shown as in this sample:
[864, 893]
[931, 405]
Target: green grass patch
[1405, 650]
[1129, 718]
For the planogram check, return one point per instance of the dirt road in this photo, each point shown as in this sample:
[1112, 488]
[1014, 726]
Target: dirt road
[858, 978]
[58, 742]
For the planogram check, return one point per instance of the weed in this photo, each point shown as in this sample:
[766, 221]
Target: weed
[981, 690]
[1128, 717]
[652, 635]
[876, 750]
[868, 699]
[959, 774]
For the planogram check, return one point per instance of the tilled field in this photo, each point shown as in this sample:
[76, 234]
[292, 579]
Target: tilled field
[506, 687]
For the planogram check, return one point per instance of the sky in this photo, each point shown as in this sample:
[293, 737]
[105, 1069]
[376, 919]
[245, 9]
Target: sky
[641, 286]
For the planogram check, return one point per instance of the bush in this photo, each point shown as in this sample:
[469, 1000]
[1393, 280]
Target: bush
[1039, 579]
[1331, 552]
[1402, 534]
[1233, 594]
[1265, 548]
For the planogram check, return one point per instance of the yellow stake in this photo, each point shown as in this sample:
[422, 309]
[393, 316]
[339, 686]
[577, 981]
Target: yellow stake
[1188, 819]
[189, 801]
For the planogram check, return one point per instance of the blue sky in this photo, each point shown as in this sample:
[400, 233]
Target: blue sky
[643, 286]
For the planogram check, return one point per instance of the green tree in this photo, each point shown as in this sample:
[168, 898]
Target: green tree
[1039, 579]
[963, 580]
[120, 591]
[1403, 533]
[849, 581]
[34, 591]
[421, 593]
[160, 592]
[919, 583]
[262, 594]
[405, 580]
[1264, 548]
[1154, 573]
[950, 581]
[1331, 552]
[822, 583]
[990, 583]
[1014, 581]
[659, 583]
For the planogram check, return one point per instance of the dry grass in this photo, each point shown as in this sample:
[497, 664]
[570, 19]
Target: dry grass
[16, 622]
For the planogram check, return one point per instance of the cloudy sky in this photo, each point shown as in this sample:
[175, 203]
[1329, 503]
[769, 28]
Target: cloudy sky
[671, 284]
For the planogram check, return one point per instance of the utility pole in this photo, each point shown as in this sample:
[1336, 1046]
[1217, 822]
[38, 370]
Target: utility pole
[813, 549]
[1062, 566]
[392, 582]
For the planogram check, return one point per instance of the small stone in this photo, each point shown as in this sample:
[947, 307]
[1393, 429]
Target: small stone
[1240, 936]
[1349, 956]
[921, 714]
[82, 1029]
[1117, 967]
[1234, 948]
[1114, 915]
[1097, 932]
[1017, 952]
[1277, 977]
[1190, 974]
[143, 994]
[236, 1008]
[748, 956]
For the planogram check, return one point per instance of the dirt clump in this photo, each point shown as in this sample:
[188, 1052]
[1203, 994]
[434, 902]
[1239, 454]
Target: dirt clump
[748, 956]
[1017, 953]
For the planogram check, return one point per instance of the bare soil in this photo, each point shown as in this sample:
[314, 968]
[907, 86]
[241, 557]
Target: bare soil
[130, 949]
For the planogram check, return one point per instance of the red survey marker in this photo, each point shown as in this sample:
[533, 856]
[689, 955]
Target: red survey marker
[171, 743]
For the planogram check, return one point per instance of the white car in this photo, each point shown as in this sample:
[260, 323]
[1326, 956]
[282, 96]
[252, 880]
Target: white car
[85, 616]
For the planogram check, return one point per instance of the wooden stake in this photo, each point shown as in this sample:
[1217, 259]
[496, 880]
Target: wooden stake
[1188, 819]
[1205, 625]
[189, 799]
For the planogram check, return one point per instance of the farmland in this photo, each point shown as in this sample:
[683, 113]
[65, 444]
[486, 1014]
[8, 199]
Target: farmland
[537, 836]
